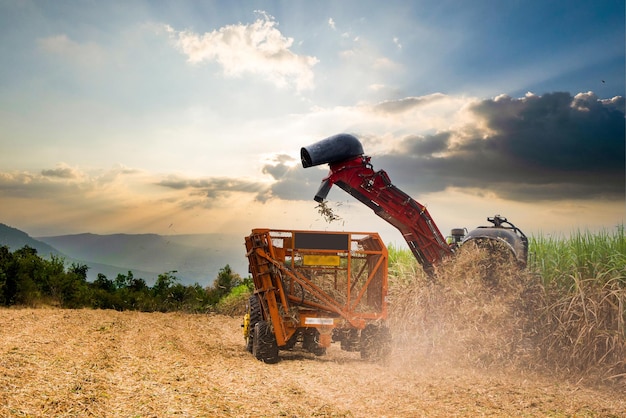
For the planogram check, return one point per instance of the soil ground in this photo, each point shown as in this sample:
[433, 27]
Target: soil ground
[80, 363]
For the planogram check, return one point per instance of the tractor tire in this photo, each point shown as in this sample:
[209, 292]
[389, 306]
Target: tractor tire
[254, 310]
[264, 345]
[375, 343]
[310, 342]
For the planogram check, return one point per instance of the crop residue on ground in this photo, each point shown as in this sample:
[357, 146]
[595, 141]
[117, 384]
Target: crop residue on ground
[56, 362]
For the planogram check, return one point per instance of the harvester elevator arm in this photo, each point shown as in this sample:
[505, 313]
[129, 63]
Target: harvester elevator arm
[352, 171]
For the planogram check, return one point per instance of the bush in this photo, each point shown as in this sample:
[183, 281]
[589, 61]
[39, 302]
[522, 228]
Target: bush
[235, 302]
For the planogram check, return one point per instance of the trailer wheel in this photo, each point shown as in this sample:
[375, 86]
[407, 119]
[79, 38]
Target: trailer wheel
[254, 310]
[291, 342]
[375, 343]
[264, 345]
[348, 338]
[310, 342]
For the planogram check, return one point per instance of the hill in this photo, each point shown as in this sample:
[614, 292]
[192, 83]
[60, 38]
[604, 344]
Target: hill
[16, 239]
[196, 258]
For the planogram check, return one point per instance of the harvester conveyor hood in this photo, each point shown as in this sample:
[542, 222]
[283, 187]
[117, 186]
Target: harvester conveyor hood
[333, 149]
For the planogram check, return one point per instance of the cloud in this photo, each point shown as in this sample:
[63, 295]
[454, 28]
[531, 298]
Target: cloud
[206, 191]
[551, 147]
[258, 48]
[557, 132]
[291, 181]
[67, 183]
[62, 171]
[406, 104]
[536, 148]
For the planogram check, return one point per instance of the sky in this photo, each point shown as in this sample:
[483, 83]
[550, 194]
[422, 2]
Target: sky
[188, 117]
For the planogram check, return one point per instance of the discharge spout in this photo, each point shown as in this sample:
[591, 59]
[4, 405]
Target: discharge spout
[331, 150]
[322, 192]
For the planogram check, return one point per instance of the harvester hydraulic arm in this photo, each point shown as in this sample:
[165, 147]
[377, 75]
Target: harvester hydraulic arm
[352, 171]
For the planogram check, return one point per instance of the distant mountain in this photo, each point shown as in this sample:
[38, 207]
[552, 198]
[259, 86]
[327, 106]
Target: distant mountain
[16, 239]
[196, 258]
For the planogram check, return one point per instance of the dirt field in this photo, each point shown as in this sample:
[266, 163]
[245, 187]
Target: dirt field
[127, 364]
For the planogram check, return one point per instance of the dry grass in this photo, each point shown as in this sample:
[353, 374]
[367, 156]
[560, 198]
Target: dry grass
[327, 212]
[471, 313]
[485, 312]
[81, 363]
[584, 333]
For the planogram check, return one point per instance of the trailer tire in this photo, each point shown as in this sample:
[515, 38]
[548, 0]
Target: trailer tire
[349, 339]
[264, 345]
[310, 342]
[291, 342]
[254, 310]
[375, 343]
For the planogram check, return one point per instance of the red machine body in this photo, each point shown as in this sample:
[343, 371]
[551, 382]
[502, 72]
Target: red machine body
[352, 171]
[375, 190]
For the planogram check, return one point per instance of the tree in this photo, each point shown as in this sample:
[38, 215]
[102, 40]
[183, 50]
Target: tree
[7, 286]
[166, 291]
[122, 281]
[80, 270]
[104, 294]
[74, 287]
[27, 270]
[163, 283]
[53, 284]
[226, 280]
[103, 283]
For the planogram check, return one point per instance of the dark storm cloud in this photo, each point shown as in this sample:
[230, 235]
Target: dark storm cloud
[428, 145]
[538, 148]
[557, 132]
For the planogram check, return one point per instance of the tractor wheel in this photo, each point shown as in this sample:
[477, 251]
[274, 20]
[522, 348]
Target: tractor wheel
[310, 342]
[254, 311]
[375, 343]
[264, 345]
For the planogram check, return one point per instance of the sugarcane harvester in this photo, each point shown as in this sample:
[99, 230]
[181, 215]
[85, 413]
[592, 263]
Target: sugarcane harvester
[312, 288]
[352, 171]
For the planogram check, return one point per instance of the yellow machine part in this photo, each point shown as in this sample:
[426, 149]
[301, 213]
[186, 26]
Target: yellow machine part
[321, 260]
[245, 326]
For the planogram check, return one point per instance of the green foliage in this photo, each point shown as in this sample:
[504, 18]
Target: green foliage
[557, 260]
[601, 256]
[403, 266]
[234, 303]
[27, 279]
[225, 282]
